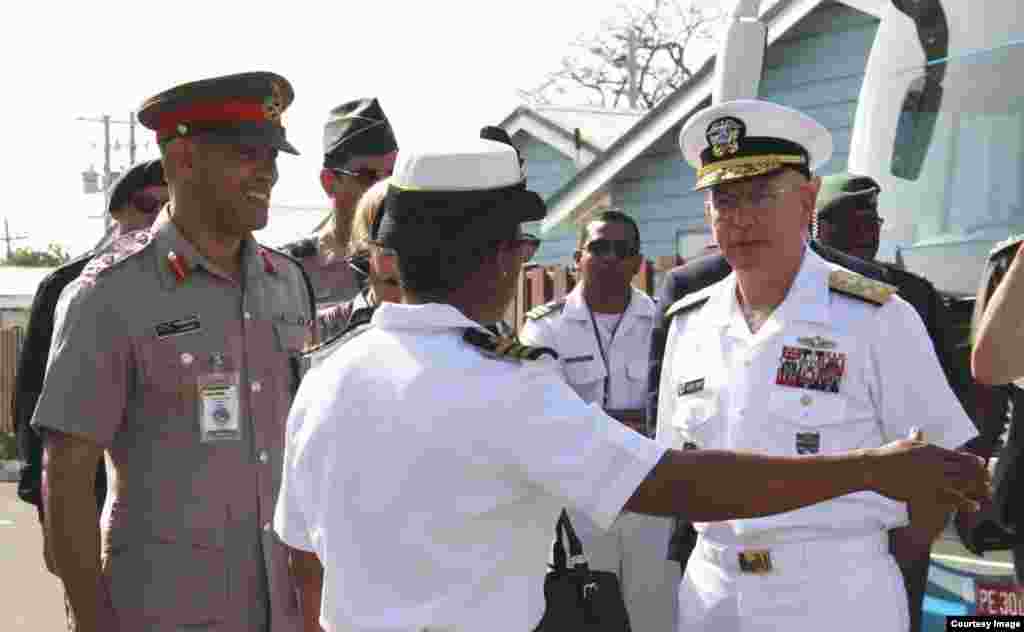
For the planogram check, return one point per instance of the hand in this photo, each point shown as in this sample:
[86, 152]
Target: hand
[915, 472]
[630, 417]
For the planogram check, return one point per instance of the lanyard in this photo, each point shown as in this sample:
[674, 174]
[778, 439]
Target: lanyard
[600, 347]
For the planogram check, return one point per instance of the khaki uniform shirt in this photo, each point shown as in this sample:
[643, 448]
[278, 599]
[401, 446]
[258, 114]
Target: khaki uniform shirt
[186, 528]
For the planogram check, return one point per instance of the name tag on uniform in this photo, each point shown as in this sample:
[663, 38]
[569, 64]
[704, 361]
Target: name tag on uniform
[808, 443]
[218, 407]
[813, 369]
[689, 388]
[178, 327]
[582, 358]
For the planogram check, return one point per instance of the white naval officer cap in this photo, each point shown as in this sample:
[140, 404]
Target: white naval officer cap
[465, 189]
[745, 138]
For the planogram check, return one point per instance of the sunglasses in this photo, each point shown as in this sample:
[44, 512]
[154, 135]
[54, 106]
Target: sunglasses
[366, 177]
[606, 247]
[528, 245]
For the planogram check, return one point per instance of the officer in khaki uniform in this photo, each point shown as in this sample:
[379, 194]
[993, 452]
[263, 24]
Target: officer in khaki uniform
[602, 333]
[172, 354]
[792, 355]
[359, 151]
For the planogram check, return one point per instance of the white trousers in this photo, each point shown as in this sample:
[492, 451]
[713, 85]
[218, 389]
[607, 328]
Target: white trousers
[835, 585]
[634, 548]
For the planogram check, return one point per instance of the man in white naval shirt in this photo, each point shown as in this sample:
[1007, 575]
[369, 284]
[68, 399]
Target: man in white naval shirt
[426, 458]
[792, 355]
[602, 333]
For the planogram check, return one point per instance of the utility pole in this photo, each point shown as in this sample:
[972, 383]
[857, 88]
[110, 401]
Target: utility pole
[107, 121]
[7, 237]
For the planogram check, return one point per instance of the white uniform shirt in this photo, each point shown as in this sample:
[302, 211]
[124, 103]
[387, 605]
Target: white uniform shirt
[425, 476]
[571, 333]
[720, 388]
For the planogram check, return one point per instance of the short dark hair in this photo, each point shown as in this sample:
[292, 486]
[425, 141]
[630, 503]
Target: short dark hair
[612, 216]
[435, 270]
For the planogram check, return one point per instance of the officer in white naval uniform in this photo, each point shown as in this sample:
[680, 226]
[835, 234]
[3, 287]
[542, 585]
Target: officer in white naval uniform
[602, 333]
[792, 355]
[425, 459]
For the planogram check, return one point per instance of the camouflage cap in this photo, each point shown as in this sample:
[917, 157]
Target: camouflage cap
[846, 192]
[245, 108]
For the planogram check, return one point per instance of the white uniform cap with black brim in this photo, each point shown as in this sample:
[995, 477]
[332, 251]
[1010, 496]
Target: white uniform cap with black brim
[469, 190]
[741, 139]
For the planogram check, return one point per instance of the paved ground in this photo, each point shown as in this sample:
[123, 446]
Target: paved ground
[31, 599]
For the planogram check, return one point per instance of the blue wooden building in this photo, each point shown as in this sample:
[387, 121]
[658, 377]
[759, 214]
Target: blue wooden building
[815, 60]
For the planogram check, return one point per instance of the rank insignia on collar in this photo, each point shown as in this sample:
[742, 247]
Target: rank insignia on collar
[808, 442]
[724, 136]
[816, 342]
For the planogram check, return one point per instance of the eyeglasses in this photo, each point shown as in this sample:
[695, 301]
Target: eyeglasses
[607, 247]
[366, 177]
[720, 203]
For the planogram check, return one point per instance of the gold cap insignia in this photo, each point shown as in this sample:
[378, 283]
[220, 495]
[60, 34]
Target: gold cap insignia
[724, 136]
[273, 105]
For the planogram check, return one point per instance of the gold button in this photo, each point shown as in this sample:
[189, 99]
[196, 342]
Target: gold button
[256, 387]
[263, 456]
[266, 527]
[248, 316]
[806, 400]
[186, 359]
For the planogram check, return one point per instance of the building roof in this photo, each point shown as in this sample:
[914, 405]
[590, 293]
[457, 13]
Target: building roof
[556, 126]
[779, 18]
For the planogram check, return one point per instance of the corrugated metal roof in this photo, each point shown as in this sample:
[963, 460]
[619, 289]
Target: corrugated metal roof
[599, 126]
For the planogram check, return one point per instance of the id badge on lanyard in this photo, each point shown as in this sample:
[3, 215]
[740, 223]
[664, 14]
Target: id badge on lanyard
[218, 403]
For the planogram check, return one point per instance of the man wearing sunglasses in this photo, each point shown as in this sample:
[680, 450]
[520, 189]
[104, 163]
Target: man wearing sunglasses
[134, 202]
[793, 355]
[359, 151]
[602, 333]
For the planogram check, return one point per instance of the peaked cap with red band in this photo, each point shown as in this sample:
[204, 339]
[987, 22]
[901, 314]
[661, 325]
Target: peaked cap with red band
[244, 108]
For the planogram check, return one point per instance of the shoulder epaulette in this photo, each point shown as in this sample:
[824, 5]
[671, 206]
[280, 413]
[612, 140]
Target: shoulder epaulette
[686, 304]
[314, 357]
[305, 277]
[505, 347]
[301, 249]
[1005, 245]
[117, 251]
[860, 287]
[554, 307]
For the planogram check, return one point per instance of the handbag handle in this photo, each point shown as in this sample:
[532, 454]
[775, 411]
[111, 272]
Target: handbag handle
[576, 557]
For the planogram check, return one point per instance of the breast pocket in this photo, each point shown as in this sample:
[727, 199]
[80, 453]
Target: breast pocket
[812, 422]
[696, 422]
[585, 374]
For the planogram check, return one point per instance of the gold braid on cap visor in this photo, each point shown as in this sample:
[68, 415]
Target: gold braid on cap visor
[745, 167]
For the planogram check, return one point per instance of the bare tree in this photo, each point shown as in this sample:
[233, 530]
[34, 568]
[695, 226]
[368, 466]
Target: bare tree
[637, 58]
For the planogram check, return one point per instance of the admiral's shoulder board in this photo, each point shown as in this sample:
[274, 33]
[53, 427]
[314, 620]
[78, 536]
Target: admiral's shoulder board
[554, 307]
[860, 287]
[686, 304]
[504, 347]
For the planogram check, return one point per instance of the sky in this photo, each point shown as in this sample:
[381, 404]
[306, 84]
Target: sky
[439, 68]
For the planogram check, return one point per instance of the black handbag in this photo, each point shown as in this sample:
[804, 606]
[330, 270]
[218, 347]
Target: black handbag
[577, 598]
